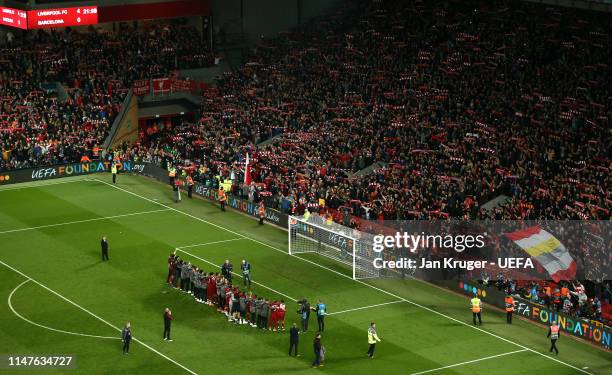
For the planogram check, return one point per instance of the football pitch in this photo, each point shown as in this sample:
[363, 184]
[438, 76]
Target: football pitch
[58, 298]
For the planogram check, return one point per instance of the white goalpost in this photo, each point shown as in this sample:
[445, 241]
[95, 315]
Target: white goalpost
[334, 241]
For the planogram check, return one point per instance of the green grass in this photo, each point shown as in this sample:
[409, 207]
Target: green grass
[66, 259]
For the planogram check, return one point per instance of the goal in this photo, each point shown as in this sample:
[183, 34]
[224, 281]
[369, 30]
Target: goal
[335, 241]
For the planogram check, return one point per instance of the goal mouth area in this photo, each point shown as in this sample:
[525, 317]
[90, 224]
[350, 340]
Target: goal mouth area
[334, 241]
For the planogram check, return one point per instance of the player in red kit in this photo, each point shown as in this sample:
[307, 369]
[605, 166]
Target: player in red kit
[211, 290]
[282, 308]
[273, 315]
[171, 265]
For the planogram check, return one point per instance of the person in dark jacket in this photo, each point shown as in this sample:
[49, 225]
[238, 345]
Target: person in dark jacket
[167, 323]
[265, 309]
[126, 337]
[104, 245]
[316, 345]
[294, 339]
[304, 312]
[226, 270]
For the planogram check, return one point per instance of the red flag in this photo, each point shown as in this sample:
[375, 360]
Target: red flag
[247, 172]
[161, 85]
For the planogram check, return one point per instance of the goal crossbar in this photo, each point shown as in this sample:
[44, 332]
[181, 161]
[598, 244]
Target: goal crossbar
[334, 241]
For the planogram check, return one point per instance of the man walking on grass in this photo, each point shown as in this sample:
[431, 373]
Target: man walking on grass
[294, 339]
[167, 322]
[317, 346]
[372, 339]
[126, 337]
[553, 333]
[246, 273]
[321, 310]
[104, 245]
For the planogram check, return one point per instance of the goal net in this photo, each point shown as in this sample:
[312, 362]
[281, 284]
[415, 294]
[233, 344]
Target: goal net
[335, 241]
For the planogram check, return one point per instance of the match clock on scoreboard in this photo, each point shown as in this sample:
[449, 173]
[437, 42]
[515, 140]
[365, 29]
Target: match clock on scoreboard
[13, 17]
[62, 17]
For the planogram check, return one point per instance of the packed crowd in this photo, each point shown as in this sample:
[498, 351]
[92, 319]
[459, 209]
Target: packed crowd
[216, 289]
[449, 104]
[458, 102]
[461, 102]
[570, 298]
[42, 124]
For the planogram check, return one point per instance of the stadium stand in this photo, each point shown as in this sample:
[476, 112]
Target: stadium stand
[459, 102]
[96, 69]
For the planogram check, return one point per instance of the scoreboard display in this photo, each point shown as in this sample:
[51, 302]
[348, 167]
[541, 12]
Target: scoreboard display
[49, 18]
[13, 17]
[62, 17]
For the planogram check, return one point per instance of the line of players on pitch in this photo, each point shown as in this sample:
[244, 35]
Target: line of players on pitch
[216, 289]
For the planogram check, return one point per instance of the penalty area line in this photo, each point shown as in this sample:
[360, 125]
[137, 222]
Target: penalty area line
[98, 317]
[366, 307]
[468, 362]
[209, 243]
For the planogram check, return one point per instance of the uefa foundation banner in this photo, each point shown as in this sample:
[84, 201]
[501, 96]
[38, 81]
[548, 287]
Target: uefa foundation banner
[587, 329]
[520, 250]
[61, 170]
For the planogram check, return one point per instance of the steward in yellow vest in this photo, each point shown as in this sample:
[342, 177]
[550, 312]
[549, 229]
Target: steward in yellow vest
[476, 307]
[171, 175]
[114, 172]
[372, 339]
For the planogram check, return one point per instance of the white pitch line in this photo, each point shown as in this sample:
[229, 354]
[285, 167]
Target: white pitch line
[10, 304]
[234, 273]
[81, 221]
[364, 307]
[468, 362]
[210, 243]
[350, 278]
[19, 187]
[99, 318]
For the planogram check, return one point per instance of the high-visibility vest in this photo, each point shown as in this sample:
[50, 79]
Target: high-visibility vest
[189, 180]
[554, 332]
[509, 303]
[372, 336]
[221, 195]
[114, 169]
[475, 303]
[172, 172]
[262, 211]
